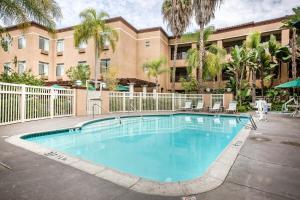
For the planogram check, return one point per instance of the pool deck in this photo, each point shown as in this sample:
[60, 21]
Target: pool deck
[264, 169]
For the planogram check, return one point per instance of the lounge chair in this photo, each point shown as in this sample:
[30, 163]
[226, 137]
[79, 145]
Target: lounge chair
[187, 106]
[216, 107]
[232, 107]
[200, 106]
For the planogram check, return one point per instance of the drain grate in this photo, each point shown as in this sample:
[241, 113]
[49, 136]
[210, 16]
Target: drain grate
[56, 155]
[3, 165]
[189, 198]
[296, 144]
[260, 139]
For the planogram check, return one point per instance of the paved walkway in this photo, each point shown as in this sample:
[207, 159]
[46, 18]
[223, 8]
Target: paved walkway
[264, 169]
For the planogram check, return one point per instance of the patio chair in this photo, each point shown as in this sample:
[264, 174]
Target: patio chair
[200, 106]
[187, 106]
[216, 107]
[232, 107]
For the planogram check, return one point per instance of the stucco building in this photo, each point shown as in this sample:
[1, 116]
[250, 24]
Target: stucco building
[50, 55]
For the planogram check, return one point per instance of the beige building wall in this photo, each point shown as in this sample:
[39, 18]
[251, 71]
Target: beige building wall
[133, 49]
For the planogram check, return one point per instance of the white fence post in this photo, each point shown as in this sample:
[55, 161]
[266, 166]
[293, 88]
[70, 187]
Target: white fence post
[23, 103]
[51, 103]
[74, 102]
[124, 102]
[173, 101]
[140, 102]
[156, 101]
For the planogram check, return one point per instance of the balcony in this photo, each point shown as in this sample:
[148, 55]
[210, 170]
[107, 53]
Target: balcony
[59, 53]
[81, 50]
[44, 52]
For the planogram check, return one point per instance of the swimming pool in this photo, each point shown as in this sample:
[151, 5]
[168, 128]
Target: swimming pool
[165, 148]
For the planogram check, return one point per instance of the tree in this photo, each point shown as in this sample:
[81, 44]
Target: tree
[204, 12]
[110, 78]
[23, 11]
[289, 23]
[253, 44]
[26, 78]
[177, 14]
[93, 26]
[154, 68]
[214, 56]
[237, 66]
[79, 72]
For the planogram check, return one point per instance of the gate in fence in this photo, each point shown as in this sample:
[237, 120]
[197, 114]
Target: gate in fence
[19, 103]
[93, 97]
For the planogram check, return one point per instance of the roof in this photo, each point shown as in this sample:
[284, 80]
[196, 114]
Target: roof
[110, 20]
[152, 29]
[251, 24]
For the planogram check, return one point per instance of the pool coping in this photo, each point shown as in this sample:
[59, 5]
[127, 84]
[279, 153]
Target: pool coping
[211, 179]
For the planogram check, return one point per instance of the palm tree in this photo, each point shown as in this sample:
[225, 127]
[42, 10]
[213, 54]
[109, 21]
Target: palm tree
[253, 44]
[177, 14]
[214, 56]
[93, 26]
[289, 23]
[23, 11]
[154, 68]
[204, 12]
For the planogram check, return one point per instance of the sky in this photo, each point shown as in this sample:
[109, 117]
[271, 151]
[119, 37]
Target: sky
[147, 13]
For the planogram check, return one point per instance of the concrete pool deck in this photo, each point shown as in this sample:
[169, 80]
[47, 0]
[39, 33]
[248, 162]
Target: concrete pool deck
[264, 169]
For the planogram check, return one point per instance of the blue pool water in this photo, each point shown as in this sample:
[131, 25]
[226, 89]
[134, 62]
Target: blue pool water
[162, 148]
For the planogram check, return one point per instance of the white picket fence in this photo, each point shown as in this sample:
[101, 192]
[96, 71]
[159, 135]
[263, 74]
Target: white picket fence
[138, 101]
[20, 103]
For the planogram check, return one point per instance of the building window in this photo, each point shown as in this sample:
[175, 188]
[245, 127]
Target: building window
[43, 69]
[60, 45]
[106, 44]
[43, 43]
[181, 72]
[60, 69]
[82, 45]
[181, 52]
[21, 42]
[21, 67]
[82, 63]
[147, 44]
[7, 67]
[104, 65]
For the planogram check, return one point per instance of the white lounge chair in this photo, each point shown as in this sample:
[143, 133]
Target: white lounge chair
[200, 106]
[216, 107]
[232, 107]
[187, 106]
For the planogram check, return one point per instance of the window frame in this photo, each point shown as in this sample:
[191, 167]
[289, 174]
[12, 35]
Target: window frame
[44, 64]
[62, 45]
[60, 66]
[22, 44]
[42, 47]
[24, 65]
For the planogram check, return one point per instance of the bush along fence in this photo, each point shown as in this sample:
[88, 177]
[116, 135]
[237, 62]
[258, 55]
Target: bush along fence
[131, 102]
[20, 103]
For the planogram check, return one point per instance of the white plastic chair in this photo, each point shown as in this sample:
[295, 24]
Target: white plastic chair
[200, 106]
[216, 107]
[232, 107]
[187, 105]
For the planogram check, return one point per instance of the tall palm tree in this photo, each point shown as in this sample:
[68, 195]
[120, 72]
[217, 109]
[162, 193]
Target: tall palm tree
[177, 14]
[154, 68]
[23, 11]
[289, 23]
[204, 12]
[93, 26]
